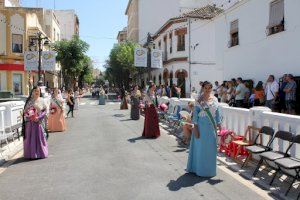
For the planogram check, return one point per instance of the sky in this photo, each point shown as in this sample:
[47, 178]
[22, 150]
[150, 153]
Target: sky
[100, 22]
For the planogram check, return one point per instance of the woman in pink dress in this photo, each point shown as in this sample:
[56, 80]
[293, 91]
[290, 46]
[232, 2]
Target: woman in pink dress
[56, 120]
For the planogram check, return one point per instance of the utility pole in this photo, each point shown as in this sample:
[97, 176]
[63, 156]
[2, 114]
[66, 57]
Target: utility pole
[190, 60]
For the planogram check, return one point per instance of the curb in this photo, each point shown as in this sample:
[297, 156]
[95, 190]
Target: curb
[11, 153]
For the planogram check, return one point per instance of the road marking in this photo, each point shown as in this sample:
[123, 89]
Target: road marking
[82, 104]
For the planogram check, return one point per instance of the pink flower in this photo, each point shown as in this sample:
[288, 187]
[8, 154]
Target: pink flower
[31, 114]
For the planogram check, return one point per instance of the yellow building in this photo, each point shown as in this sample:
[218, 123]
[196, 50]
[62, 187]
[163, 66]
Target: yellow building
[17, 26]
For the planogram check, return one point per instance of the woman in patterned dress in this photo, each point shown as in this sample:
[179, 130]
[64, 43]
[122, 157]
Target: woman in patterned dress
[34, 126]
[56, 121]
[151, 126]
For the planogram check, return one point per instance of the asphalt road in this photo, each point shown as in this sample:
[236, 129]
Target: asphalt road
[102, 156]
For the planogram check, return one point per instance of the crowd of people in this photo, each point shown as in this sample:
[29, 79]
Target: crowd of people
[278, 96]
[44, 112]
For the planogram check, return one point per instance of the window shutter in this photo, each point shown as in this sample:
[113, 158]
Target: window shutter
[276, 13]
[234, 27]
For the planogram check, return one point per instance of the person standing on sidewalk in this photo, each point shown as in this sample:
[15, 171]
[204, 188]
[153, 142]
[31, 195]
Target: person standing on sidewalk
[34, 128]
[56, 120]
[271, 90]
[290, 95]
[203, 145]
[240, 92]
[70, 102]
[151, 126]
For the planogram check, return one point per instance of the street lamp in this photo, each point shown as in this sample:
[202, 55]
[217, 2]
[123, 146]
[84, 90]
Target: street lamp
[149, 45]
[39, 39]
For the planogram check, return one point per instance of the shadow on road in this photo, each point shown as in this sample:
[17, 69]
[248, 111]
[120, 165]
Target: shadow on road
[125, 120]
[119, 115]
[189, 180]
[21, 160]
[133, 140]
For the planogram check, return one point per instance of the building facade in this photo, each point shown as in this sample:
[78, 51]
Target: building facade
[69, 23]
[122, 36]
[18, 27]
[188, 49]
[254, 47]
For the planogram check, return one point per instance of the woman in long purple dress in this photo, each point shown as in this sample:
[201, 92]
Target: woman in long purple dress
[34, 126]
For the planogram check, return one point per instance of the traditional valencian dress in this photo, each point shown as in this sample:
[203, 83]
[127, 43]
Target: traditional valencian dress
[35, 144]
[151, 126]
[135, 105]
[203, 151]
[56, 120]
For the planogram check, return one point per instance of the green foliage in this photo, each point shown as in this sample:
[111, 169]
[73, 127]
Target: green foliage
[120, 65]
[72, 57]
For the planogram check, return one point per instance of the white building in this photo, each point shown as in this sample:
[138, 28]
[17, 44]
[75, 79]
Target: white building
[69, 23]
[256, 38]
[12, 3]
[188, 49]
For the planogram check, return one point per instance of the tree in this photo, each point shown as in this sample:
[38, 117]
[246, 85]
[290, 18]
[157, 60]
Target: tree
[71, 55]
[120, 66]
[86, 75]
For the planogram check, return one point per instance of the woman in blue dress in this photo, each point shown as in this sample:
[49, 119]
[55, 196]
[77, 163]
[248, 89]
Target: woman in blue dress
[203, 146]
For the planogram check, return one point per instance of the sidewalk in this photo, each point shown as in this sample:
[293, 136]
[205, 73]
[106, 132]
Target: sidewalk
[7, 152]
[263, 177]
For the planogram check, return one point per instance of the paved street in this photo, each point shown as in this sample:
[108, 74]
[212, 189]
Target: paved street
[102, 156]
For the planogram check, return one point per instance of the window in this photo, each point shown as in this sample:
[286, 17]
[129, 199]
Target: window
[171, 42]
[234, 33]
[165, 55]
[17, 43]
[181, 39]
[181, 43]
[54, 34]
[276, 19]
[159, 45]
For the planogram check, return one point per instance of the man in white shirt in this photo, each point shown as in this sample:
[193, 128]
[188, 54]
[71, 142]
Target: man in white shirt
[271, 92]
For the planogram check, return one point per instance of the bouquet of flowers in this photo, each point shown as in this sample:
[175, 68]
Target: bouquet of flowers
[31, 114]
[53, 110]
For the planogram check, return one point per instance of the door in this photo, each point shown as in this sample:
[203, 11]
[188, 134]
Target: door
[17, 84]
[181, 83]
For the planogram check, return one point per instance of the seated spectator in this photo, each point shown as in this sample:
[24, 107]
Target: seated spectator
[290, 95]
